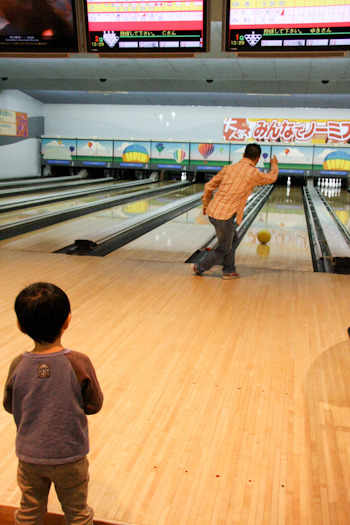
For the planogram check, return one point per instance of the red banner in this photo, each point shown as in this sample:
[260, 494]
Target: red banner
[286, 130]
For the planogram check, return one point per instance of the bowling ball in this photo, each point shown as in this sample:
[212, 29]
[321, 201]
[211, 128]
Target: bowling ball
[264, 236]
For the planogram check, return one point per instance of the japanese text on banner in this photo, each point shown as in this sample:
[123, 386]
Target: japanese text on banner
[284, 130]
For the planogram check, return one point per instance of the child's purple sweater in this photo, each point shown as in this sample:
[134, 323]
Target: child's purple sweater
[49, 395]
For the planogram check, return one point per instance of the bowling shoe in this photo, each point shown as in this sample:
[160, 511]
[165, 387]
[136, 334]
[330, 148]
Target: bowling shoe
[227, 276]
[194, 268]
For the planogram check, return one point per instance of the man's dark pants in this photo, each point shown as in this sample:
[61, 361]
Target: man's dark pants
[225, 253]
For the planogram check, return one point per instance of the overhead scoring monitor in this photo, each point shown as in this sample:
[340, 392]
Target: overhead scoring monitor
[287, 25]
[38, 27]
[146, 27]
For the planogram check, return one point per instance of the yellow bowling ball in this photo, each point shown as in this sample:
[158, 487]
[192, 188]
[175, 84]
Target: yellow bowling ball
[264, 236]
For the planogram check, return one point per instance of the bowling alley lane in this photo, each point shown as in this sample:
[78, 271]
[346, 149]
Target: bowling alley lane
[339, 200]
[43, 209]
[50, 192]
[173, 241]
[283, 215]
[92, 226]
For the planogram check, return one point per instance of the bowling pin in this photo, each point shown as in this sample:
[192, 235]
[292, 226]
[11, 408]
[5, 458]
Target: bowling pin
[288, 181]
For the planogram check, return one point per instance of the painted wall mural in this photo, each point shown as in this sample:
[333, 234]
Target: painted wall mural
[298, 159]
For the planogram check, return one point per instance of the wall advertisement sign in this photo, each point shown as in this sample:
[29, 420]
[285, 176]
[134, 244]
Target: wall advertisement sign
[287, 130]
[13, 123]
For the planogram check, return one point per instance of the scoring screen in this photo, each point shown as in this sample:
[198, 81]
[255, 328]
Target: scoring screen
[287, 25]
[42, 26]
[138, 26]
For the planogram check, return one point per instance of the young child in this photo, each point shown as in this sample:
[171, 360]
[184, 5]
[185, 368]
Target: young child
[49, 391]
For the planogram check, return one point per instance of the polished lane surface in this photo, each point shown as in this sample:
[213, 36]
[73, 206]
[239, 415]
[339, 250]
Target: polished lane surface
[92, 226]
[4, 200]
[44, 209]
[339, 200]
[283, 215]
[289, 249]
[173, 241]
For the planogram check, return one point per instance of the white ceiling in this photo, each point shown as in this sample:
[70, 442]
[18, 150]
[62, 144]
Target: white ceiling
[212, 79]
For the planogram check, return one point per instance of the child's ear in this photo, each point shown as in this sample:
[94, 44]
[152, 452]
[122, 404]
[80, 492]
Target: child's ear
[19, 327]
[67, 321]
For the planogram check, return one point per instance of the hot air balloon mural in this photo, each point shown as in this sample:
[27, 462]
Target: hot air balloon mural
[90, 144]
[265, 159]
[337, 160]
[55, 149]
[206, 150]
[160, 147]
[179, 155]
[286, 151]
[136, 207]
[71, 149]
[135, 153]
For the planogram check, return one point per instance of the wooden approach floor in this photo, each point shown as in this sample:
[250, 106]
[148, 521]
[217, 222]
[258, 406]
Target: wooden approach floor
[226, 402]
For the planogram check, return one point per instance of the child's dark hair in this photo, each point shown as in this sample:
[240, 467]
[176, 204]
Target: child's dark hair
[252, 151]
[42, 309]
